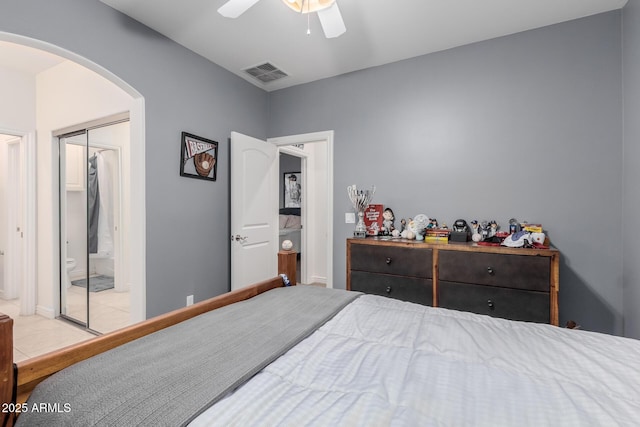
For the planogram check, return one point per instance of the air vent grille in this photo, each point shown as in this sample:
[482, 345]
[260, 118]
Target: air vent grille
[265, 72]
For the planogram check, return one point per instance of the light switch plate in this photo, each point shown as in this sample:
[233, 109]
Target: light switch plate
[350, 218]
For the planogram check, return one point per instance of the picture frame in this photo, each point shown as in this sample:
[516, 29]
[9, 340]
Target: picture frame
[292, 189]
[198, 157]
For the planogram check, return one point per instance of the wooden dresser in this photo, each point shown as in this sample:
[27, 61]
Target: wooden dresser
[512, 283]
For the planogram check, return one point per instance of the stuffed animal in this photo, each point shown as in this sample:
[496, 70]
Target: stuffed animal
[524, 238]
[518, 240]
[538, 238]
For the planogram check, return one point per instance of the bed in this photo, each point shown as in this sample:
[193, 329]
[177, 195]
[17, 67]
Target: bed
[313, 356]
[290, 227]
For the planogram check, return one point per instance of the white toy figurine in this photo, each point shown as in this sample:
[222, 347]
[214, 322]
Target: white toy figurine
[387, 222]
[475, 231]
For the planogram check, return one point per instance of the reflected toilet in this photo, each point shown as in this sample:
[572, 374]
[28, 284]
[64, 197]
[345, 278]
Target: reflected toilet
[71, 264]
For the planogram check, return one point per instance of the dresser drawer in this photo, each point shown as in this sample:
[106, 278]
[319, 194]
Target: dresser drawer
[509, 271]
[403, 288]
[403, 261]
[506, 303]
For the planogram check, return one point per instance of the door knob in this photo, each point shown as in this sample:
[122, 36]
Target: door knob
[239, 238]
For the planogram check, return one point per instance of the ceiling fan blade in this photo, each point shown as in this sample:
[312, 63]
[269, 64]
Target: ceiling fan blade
[235, 8]
[331, 21]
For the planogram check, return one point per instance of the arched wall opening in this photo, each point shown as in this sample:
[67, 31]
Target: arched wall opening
[44, 170]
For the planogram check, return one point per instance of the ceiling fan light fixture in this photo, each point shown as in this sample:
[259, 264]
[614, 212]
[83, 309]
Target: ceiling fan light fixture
[308, 6]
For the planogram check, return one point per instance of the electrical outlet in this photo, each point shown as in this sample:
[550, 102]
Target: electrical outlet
[349, 218]
[189, 300]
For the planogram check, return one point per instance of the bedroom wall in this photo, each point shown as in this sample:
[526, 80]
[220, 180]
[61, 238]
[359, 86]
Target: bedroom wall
[186, 223]
[526, 126]
[631, 166]
[18, 106]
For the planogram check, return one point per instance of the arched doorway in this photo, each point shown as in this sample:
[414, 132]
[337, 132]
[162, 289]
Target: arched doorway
[47, 215]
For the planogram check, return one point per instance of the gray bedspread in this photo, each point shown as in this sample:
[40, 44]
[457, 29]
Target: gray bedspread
[171, 376]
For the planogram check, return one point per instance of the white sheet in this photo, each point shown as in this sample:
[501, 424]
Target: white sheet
[385, 362]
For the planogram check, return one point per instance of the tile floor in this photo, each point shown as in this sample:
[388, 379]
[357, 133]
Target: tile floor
[109, 310]
[35, 335]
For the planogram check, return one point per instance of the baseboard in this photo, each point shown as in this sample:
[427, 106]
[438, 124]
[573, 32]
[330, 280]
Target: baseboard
[319, 279]
[47, 312]
[125, 288]
[77, 274]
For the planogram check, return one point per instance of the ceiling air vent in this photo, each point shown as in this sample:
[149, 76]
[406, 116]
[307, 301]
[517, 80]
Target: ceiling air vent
[265, 72]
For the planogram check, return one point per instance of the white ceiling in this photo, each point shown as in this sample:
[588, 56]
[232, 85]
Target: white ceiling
[378, 31]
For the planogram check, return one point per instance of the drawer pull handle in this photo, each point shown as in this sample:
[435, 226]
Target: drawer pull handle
[490, 270]
[491, 305]
[388, 290]
[388, 261]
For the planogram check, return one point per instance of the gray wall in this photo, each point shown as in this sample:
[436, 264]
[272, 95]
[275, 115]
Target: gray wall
[526, 126]
[187, 219]
[631, 166]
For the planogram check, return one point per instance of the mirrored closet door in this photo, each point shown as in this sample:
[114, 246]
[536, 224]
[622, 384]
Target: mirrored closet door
[92, 291]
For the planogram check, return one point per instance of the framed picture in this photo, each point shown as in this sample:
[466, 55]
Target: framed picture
[199, 157]
[292, 189]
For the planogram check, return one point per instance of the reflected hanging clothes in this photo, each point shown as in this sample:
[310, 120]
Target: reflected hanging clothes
[93, 201]
[105, 199]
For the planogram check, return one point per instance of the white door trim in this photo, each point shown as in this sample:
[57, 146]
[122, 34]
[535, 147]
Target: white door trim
[137, 231]
[13, 254]
[29, 296]
[28, 290]
[309, 138]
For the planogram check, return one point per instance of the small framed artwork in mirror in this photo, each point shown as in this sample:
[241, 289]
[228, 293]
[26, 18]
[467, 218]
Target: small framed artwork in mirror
[199, 157]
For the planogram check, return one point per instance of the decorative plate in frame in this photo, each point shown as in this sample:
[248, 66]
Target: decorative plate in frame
[199, 157]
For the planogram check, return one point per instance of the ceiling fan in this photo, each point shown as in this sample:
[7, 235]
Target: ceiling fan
[328, 12]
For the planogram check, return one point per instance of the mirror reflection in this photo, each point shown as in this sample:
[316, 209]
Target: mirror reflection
[93, 291]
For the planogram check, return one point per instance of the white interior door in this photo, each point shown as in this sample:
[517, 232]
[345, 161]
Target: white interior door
[254, 209]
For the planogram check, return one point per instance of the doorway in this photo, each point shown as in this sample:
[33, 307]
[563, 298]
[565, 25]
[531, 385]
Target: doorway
[255, 192]
[17, 219]
[93, 290]
[291, 205]
[42, 267]
[10, 217]
[314, 154]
